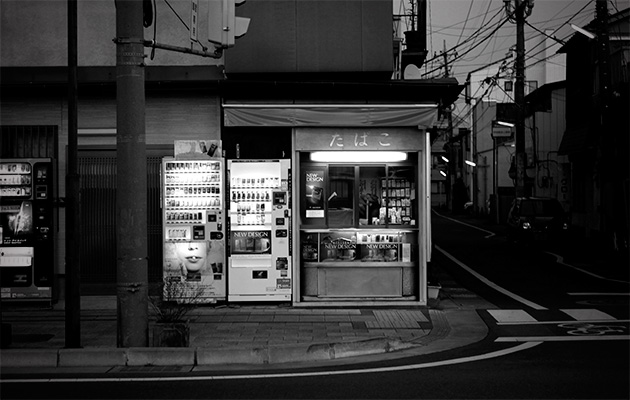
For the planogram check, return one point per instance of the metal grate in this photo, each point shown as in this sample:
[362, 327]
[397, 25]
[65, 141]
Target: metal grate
[98, 217]
[28, 141]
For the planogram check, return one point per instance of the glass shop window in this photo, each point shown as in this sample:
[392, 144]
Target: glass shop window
[370, 194]
[341, 199]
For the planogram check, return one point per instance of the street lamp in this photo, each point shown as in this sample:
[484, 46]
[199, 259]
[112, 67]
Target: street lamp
[583, 31]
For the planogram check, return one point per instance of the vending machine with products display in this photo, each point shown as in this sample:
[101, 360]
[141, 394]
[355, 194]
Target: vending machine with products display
[259, 230]
[26, 229]
[194, 228]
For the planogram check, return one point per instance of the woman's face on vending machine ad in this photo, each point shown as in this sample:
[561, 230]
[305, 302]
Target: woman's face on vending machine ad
[192, 255]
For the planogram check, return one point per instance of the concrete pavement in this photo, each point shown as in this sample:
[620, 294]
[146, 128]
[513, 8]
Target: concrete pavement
[246, 335]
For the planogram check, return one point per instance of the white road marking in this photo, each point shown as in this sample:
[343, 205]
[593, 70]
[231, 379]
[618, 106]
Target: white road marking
[490, 283]
[561, 322]
[512, 316]
[539, 339]
[560, 260]
[598, 294]
[480, 357]
[588, 314]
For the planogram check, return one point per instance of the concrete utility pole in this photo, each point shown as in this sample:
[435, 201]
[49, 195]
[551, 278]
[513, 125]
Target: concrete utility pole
[131, 205]
[73, 203]
[519, 98]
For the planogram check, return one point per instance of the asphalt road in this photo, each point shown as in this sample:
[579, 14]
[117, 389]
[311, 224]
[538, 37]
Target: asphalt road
[567, 370]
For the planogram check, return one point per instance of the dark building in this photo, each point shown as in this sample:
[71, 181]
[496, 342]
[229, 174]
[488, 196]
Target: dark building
[596, 139]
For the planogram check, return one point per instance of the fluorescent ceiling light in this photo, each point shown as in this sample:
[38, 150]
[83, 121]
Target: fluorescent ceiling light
[445, 159]
[472, 164]
[511, 125]
[583, 31]
[443, 173]
[358, 156]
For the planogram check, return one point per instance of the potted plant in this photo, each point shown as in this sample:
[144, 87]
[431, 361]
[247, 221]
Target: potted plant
[433, 283]
[175, 298]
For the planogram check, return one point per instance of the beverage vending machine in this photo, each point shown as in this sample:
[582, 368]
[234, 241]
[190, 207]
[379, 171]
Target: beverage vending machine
[26, 229]
[259, 230]
[194, 229]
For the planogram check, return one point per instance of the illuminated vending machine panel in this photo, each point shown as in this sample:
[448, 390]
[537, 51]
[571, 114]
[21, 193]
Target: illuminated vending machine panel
[26, 230]
[260, 220]
[194, 230]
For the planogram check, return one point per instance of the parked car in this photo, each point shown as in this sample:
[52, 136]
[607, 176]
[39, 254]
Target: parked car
[537, 218]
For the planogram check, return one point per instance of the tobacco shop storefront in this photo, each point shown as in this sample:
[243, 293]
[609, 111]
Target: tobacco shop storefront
[360, 201]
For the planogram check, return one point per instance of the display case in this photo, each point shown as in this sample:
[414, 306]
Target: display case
[360, 247]
[194, 228]
[359, 263]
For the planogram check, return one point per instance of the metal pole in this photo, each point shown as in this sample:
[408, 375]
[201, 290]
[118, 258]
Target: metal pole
[73, 203]
[131, 201]
[519, 98]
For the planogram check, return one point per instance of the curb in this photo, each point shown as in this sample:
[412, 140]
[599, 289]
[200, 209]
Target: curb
[160, 356]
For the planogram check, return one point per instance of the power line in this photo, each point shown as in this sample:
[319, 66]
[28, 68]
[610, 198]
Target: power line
[459, 56]
[453, 49]
[466, 20]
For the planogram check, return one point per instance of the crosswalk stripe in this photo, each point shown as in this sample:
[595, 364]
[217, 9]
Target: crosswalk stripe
[587, 314]
[511, 316]
[559, 338]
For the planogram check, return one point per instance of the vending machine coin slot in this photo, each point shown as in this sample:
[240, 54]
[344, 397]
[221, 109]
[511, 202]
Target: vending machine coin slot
[216, 235]
[282, 263]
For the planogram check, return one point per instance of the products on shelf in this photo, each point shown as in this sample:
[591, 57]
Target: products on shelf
[191, 188]
[251, 200]
[249, 183]
[389, 247]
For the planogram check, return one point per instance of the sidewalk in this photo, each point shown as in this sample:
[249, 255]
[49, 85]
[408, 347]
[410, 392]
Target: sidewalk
[241, 335]
[249, 335]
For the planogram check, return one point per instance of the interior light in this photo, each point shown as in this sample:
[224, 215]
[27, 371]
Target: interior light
[443, 173]
[358, 156]
[445, 159]
[472, 164]
[509, 124]
[583, 31]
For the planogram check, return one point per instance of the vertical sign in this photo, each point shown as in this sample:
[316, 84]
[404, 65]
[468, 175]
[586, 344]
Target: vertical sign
[314, 193]
[194, 9]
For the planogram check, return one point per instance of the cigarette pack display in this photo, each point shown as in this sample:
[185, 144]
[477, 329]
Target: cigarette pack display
[194, 228]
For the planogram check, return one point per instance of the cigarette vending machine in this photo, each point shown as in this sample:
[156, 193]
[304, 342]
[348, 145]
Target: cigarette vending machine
[194, 228]
[259, 230]
[26, 229]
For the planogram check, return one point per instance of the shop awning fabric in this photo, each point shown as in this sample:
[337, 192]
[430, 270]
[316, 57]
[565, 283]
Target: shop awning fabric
[318, 115]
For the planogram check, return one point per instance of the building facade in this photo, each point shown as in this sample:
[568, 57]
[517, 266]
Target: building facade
[280, 84]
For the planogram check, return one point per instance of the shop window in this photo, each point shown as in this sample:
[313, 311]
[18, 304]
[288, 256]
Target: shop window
[370, 194]
[341, 197]
[344, 196]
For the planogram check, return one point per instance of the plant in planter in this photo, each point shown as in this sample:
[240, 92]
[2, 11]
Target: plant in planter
[170, 305]
[433, 283]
